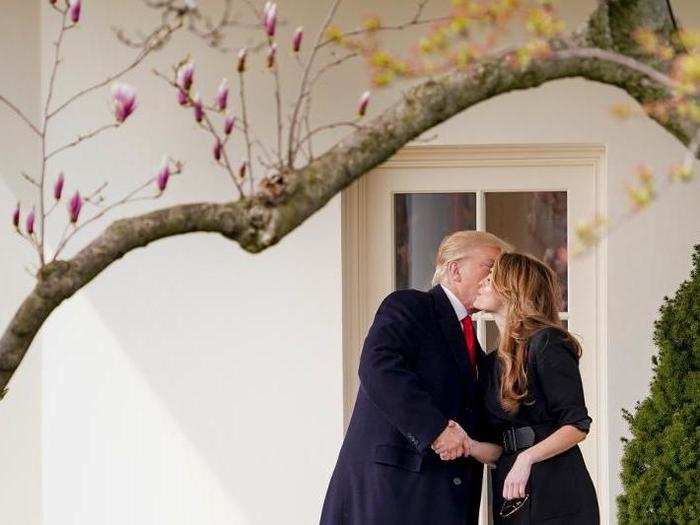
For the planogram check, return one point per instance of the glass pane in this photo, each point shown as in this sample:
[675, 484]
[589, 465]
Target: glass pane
[535, 223]
[421, 220]
[489, 341]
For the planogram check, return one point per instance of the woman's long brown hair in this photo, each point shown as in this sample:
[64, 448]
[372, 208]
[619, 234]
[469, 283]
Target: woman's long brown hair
[532, 297]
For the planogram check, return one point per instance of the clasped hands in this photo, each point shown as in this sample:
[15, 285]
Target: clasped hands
[452, 443]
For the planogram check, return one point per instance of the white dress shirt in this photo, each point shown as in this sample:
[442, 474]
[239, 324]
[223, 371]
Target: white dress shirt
[459, 308]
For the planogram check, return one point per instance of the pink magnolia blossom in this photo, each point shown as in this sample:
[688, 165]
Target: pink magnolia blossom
[185, 76]
[74, 10]
[74, 206]
[124, 99]
[228, 124]
[296, 40]
[198, 108]
[30, 222]
[270, 12]
[163, 174]
[217, 150]
[58, 187]
[15, 216]
[364, 101]
[241, 59]
[222, 95]
[181, 97]
[271, 55]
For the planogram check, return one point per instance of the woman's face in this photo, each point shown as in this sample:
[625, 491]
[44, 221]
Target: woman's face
[487, 299]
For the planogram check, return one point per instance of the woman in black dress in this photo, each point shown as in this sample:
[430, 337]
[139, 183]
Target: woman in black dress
[535, 409]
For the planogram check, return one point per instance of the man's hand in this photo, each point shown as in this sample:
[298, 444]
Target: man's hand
[452, 443]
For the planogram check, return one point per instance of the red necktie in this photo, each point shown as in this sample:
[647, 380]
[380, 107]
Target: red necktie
[470, 340]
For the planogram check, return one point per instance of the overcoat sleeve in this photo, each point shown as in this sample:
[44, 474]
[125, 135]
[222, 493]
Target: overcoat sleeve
[387, 377]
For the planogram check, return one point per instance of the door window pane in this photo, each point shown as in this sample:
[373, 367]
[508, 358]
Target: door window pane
[421, 220]
[535, 223]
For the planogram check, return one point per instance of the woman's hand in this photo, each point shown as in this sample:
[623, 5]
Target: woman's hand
[516, 480]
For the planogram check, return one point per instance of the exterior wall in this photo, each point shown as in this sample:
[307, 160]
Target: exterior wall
[20, 410]
[208, 387]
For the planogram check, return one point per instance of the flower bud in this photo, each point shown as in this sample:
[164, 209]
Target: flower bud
[296, 40]
[74, 207]
[163, 174]
[124, 100]
[271, 55]
[30, 222]
[181, 97]
[185, 76]
[241, 171]
[222, 95]
[15, 216]
[364, 101]
[270, 18]
[74, 10]
[241, 59]
[58, 187]
[228, 124]
[198, 108]
[217, 150]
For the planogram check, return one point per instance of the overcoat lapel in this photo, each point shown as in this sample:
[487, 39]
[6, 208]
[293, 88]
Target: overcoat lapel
[452, 330]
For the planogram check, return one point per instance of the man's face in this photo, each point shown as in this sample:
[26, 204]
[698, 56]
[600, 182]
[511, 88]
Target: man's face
[466, 273]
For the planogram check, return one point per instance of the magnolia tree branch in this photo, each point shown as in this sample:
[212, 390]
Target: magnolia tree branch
[259, 221]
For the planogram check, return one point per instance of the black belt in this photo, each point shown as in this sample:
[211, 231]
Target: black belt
[515, 439]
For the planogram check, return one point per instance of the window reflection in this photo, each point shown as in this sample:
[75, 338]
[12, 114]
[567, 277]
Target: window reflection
[421, 220]
[535, 223]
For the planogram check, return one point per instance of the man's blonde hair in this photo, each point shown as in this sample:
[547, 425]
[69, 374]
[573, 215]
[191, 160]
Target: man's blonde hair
[459, 244]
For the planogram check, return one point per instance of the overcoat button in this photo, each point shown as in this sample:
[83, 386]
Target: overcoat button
[457, 481]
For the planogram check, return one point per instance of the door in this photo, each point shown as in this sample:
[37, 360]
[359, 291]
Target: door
[532, 196]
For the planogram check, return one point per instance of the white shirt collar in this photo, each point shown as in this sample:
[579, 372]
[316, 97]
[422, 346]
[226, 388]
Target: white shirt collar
[459, 308]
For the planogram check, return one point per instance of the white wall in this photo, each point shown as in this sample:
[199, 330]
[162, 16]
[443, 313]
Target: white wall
[20, 410]
[193, 381]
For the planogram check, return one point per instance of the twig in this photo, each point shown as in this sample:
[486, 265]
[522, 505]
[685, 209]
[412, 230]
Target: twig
[305, 77]
[165, 30]
[82, 138]
[20, 114]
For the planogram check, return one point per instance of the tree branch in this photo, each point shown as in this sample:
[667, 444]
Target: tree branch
[262, 220]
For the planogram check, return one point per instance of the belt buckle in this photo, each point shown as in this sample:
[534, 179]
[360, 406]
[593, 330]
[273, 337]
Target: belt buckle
[509, 442]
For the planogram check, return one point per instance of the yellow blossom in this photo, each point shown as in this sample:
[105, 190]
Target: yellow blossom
[687, 70]
[622, 110]
[588, 233]
[665, 53]
[646, 39]
[642, 194]
[381, 59]
[681, 173]
[459, 25]
[426, 46]
[383, 78]
[690, 40]
[372, 23]
[334, 33]
[542, 22]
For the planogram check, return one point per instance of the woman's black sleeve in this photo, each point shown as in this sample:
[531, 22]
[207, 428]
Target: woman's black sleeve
[560, 380]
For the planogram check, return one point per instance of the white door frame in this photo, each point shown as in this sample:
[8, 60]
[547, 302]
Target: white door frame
[353, 216]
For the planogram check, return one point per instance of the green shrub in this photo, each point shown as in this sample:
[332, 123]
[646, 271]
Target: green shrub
[661, 461]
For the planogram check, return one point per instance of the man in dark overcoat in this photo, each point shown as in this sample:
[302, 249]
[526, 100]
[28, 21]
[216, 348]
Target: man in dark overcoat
[419, 390]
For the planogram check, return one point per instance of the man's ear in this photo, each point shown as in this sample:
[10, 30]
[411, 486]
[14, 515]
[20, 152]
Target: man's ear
[453, 271]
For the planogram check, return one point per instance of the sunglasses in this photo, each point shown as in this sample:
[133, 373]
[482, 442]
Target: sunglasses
[511, 506]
